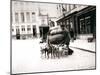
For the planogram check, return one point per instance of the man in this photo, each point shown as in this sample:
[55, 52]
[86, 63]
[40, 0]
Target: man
[66, 39]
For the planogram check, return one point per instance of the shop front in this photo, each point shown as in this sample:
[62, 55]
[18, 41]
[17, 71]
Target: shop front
[86, 20]
[83, 22]
[86, 23]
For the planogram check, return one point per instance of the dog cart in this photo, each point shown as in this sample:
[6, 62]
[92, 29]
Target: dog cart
[58, 39]
[57, 43]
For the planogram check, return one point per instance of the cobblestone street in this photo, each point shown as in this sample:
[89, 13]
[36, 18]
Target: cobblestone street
[26, 58]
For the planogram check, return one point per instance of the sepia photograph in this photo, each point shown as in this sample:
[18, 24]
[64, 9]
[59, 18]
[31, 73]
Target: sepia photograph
[52, 37]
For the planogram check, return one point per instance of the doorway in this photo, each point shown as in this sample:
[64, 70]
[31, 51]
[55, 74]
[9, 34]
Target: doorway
[34, 31]
[17, 33]
[43, 31]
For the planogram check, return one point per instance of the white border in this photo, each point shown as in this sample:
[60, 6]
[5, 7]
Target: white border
[5, 37]
[87, 2]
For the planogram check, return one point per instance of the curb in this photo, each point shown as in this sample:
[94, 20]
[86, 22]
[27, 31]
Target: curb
[83, 49]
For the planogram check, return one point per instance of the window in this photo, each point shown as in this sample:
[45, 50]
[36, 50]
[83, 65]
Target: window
[22, 17]
[23, 28]
[33, 17]
[28, 16]
[82, 26]
[85, 25]
[88, 25]
[17, 30]
[28, 28]
[16, 17]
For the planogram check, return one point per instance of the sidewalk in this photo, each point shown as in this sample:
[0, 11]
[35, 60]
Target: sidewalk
[83, 45]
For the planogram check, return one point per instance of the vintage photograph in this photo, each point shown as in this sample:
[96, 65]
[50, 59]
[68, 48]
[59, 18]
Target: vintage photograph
[52, 37]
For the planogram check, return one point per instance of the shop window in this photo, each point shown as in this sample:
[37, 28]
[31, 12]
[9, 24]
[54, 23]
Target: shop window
[85, 25]
[82, 26]
[88, 26]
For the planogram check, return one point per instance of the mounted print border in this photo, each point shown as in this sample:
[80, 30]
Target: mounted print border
[52, 37]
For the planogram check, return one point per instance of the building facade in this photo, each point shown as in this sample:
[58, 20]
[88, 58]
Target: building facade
[24, 19]
[80, 18]
[31, 19]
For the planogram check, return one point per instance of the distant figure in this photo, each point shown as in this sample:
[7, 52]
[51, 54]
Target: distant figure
[72, 35]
